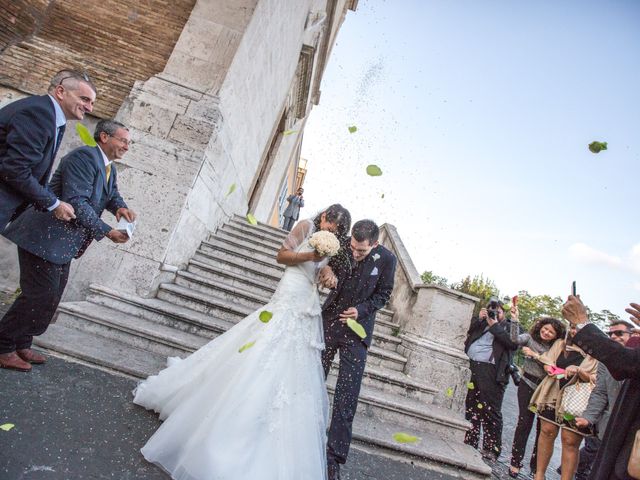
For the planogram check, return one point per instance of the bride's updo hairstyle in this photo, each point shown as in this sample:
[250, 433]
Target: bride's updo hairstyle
[337, 214]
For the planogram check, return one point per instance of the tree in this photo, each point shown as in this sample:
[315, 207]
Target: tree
[431, 278]
[478, 286]
[532, 307]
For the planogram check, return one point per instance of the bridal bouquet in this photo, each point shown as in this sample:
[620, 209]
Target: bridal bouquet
[325, 243]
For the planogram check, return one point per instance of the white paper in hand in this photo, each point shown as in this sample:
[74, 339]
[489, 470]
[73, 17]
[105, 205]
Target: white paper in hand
[126, 227]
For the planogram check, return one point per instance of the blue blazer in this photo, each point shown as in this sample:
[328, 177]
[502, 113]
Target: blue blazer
[368, 293]
[27, 149]
[80, 180]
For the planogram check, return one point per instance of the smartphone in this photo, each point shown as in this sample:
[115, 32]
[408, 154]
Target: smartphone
[573, 288]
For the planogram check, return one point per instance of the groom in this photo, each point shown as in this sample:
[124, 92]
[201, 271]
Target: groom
[362, 282]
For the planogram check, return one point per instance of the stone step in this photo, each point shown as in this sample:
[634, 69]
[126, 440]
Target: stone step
[249, 234]
[223, 271]
[158, 311]
[261, 227]
[258, 231]
[233, 310]
[248, 297]
[243, 243]
[250, 280]
[396, 383]
[229, 233]
[369, 434]
[407, 413]
[167, 340]
[434, 454]
[138, 332]
[100, 351]
[222, 245]
[99, 321]
[238, 262]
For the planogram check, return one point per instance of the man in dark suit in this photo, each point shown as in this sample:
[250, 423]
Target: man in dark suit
[363, 281]
[87, 179]
[31, 130]
[612, 459]
[292, 212]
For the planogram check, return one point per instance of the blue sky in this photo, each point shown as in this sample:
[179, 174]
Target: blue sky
[479, 114]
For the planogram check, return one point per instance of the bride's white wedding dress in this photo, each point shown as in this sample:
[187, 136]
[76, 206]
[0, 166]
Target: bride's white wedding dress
[259, 414]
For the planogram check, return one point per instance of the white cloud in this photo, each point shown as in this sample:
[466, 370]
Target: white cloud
[584, 253]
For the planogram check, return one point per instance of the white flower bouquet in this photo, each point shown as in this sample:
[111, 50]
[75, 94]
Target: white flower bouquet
[325, 243]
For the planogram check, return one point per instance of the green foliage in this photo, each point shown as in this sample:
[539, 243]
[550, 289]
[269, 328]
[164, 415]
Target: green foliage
[431, 278]
[478, 286]
[603, 318]
[532, 307]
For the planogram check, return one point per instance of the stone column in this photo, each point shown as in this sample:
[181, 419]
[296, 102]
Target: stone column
[433, 326]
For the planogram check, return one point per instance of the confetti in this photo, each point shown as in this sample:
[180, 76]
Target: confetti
[470, 385]
[480, 406]
[374, 171]
[449, 392]
[251, 219]
[289, 132]
[568, 417]
[232, 189]
[265, 316]
[597, 147]
[356, 327]
[7, 426]
[353, 129]
[246, 346]
[402, 437]
[382, 196]
[85, 135]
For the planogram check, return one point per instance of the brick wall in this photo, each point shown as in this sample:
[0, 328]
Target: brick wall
[116, 41]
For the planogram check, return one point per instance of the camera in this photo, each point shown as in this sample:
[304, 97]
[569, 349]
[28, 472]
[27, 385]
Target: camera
[515, 374]
[492, 308]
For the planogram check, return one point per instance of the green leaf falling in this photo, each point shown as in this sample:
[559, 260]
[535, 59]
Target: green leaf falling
[374, 171]
[85, 135]
[246, 346]
[265, 316]
[356, 327]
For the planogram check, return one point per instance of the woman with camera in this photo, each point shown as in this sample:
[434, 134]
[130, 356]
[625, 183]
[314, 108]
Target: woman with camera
[544, 332]
[570, 373]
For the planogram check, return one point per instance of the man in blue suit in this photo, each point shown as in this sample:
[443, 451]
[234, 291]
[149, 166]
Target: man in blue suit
[87, 180]
[362, 283]
[31, 131]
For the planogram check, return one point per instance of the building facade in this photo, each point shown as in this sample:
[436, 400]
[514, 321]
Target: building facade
[215, 94]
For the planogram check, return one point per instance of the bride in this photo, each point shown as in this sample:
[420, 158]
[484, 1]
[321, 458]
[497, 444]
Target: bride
[252, 403]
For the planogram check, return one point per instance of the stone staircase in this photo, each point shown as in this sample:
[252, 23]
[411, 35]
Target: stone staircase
[232, 274]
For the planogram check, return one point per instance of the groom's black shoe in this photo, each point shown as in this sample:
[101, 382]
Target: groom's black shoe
[334, 471]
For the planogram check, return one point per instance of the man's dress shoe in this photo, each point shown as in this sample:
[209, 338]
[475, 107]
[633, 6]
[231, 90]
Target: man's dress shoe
[30, 356]
[13, 362]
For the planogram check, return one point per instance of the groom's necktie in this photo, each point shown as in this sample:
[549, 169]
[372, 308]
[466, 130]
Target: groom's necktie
[59, 136]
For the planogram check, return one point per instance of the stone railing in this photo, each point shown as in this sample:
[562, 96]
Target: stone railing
[433, 325]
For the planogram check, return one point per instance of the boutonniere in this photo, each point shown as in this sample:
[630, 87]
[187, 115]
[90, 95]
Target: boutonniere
[375, 257]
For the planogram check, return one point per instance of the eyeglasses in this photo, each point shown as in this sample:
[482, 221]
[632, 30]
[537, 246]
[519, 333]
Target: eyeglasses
[618, 333]
[124, 141]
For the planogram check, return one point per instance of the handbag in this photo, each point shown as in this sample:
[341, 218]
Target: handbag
[575, 398]
[633, 467]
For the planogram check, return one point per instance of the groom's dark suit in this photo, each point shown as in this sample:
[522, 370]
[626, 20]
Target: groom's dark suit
[47, 245]
[367, 286]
